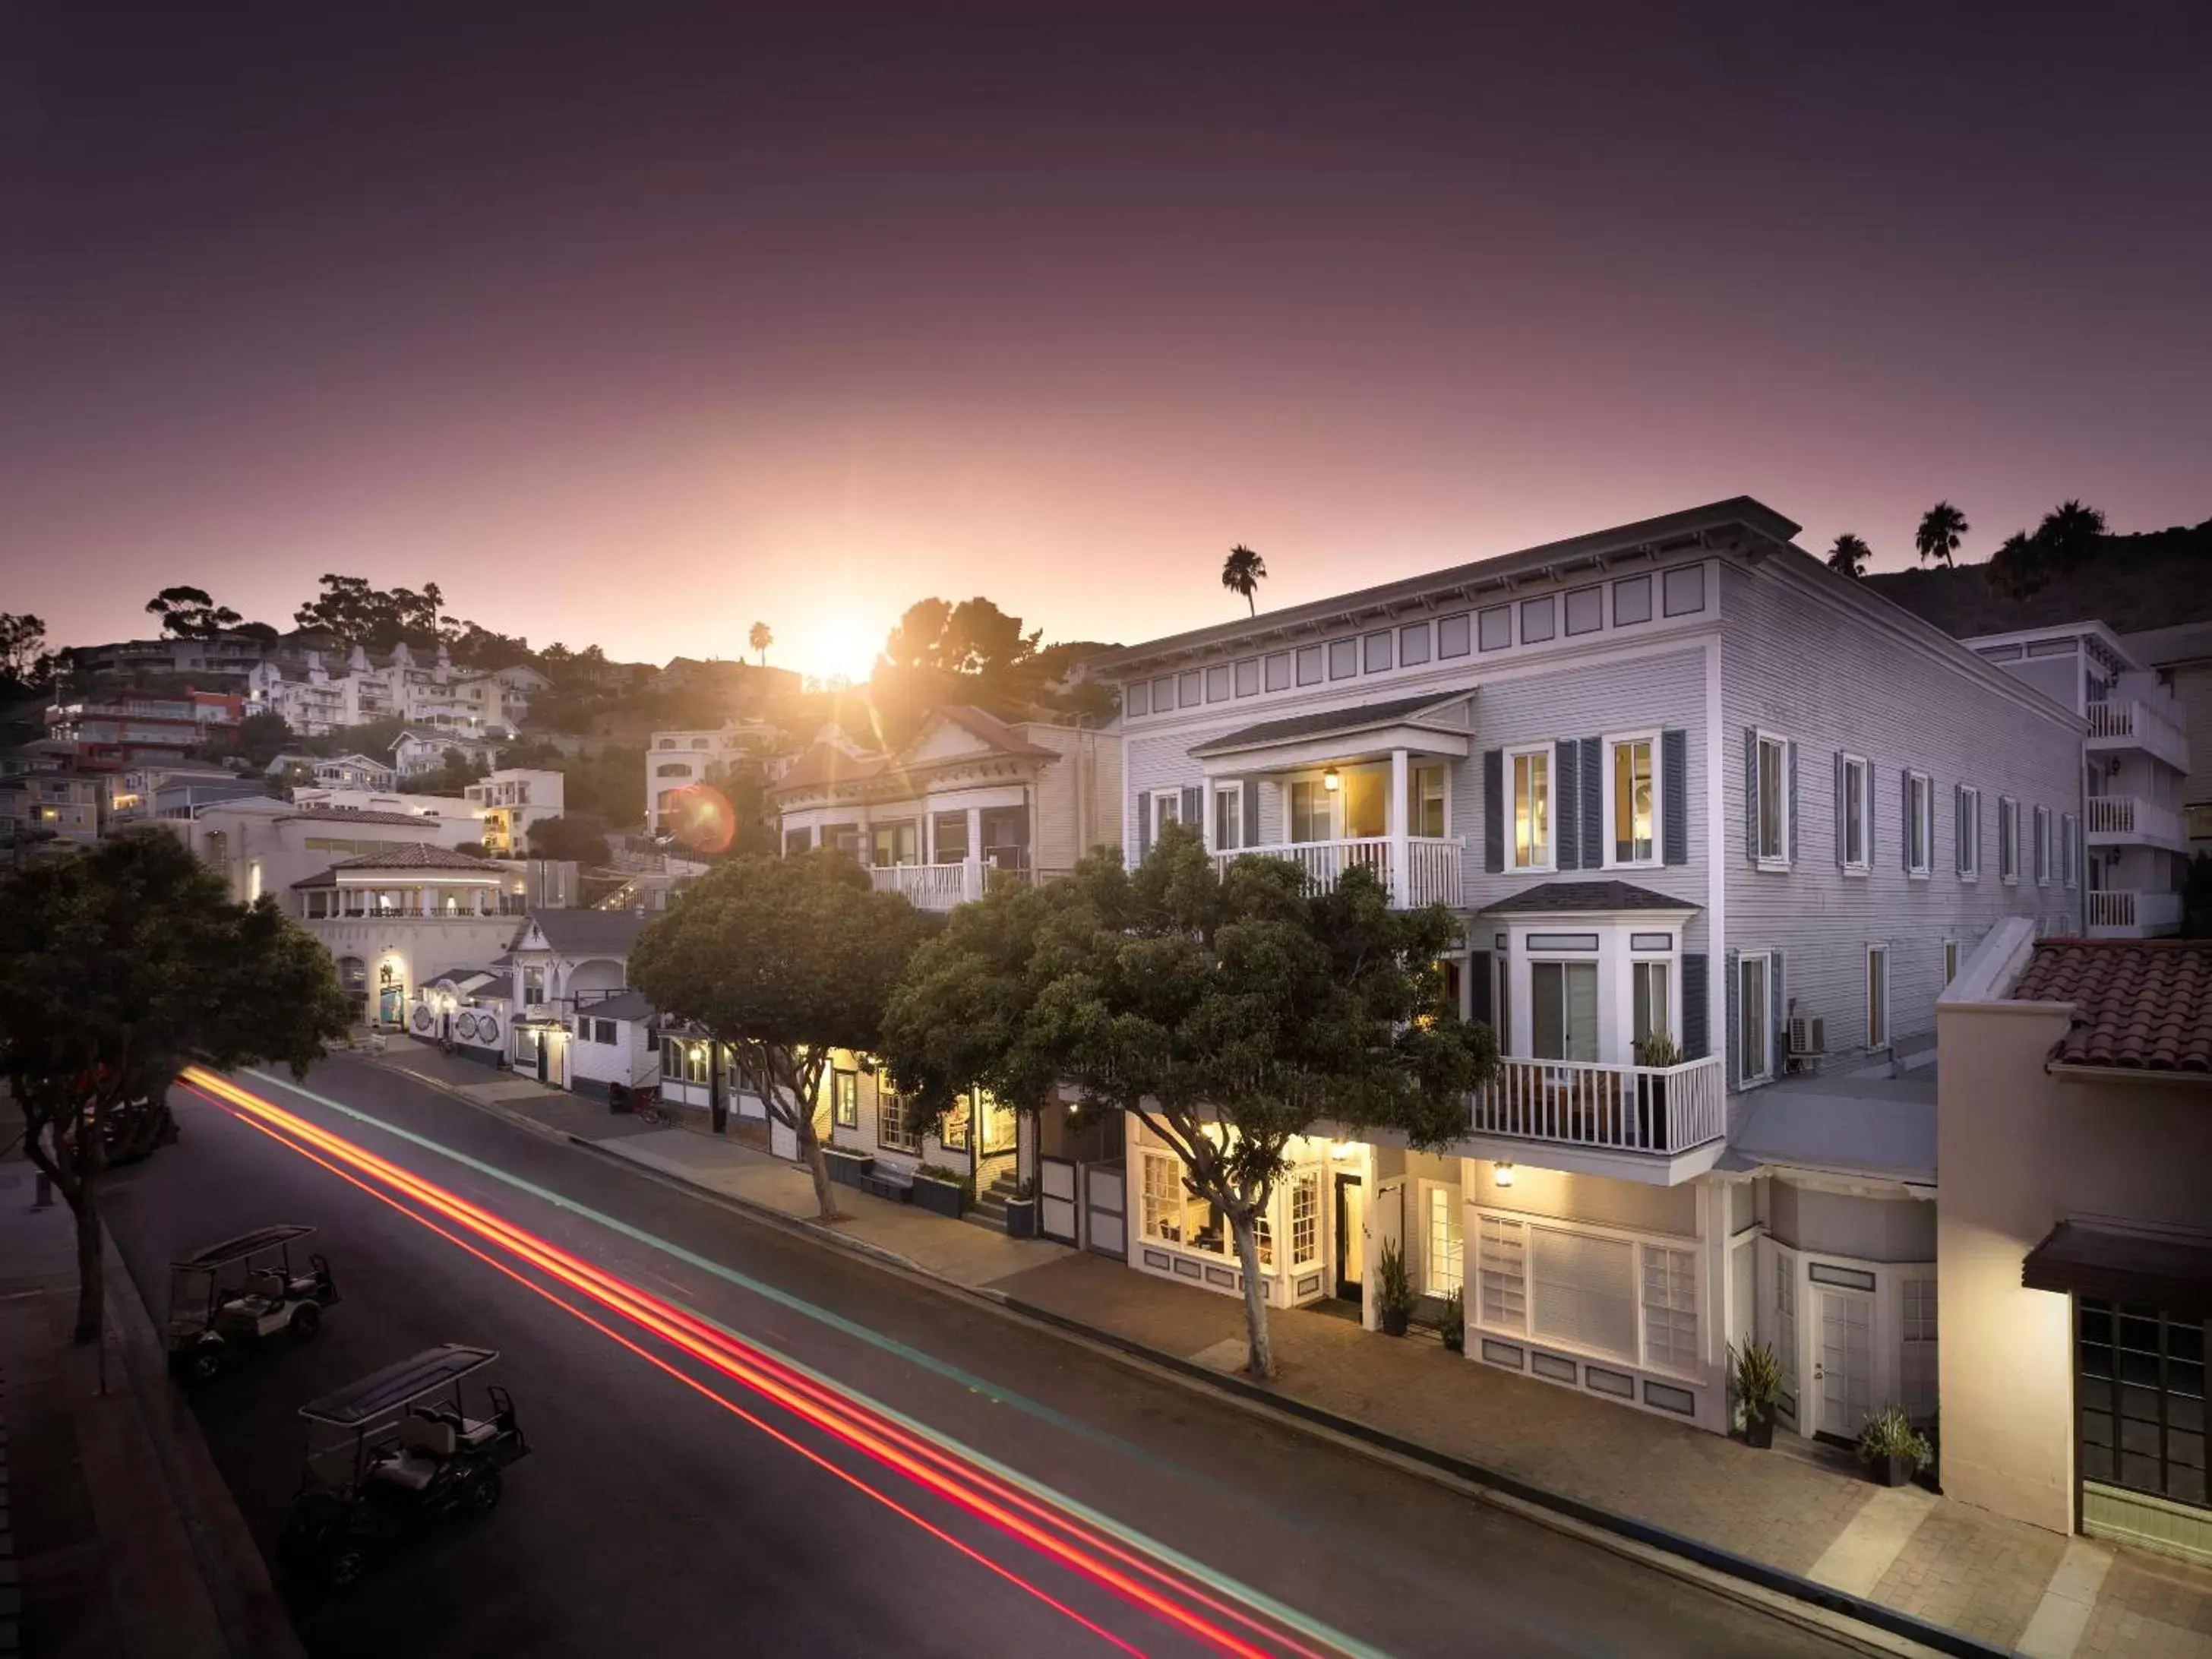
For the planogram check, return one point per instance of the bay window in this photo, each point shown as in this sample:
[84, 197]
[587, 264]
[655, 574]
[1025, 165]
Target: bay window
[1649, 984]
[1424, 803]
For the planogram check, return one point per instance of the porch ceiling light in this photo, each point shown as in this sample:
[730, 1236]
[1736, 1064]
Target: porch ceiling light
[1331, 779]
[1502, 1174]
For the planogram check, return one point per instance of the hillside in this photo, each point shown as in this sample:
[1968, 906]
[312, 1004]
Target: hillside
[2153, 579]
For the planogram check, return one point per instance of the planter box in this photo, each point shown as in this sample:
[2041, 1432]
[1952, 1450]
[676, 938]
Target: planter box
[1021, 1217]
[1393, 1321]
[1758, 1431]
[847, 1169]
[1894, 1471]
[944, 1198]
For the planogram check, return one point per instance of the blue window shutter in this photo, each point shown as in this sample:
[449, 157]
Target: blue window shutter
[1566, 806]
[1478, 974]
[1792, 803]
[1697, 1041]
[1593, 802]
[1251, 811]
[1778, 1045]
[1675, 797]
[1751, 793]
[1193, 806]
[1143, 827]
[1732, 992]
[1493, 811]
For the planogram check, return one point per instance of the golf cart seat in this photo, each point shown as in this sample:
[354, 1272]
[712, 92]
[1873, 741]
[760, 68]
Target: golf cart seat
[469, 1433]
[425, 1443]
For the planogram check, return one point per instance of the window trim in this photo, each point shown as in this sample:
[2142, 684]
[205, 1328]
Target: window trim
[1953, 954]
[1878, 1034]
[1455, 1205]
[2069, 846]
[2042, 848]
[840, 1093]
[1778, 861]
[1745, 1076]
[1172, 798]
[1922, 818]
[1969, 859]
[1608, 743]
[1549, 863]
[1862, 865]
[2008, 840]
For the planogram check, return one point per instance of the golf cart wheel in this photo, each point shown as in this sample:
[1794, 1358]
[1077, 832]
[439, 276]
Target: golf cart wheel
[205, 1364]
[345, 1566]
[483, 1493]
[307, 1320]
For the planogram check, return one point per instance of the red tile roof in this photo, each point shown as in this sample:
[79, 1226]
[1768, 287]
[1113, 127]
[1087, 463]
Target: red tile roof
[2140, 1004]
[404, 858]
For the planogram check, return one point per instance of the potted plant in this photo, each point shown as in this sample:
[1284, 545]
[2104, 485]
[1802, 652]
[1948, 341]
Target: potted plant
[1022, 1211]
[1896, 1450]
[1394, 1298]
[1454, 1325]
[941, 1190]
[849, 1169]
[1656, 1052]
[1755, 1376]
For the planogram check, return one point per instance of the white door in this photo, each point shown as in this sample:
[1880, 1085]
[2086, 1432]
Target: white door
[1842, 1378]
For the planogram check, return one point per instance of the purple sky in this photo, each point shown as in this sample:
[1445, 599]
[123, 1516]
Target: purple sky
[635, 332]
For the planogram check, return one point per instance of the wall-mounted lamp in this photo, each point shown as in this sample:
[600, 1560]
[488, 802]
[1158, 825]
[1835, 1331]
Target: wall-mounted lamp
[1332, 781]
[1502, 1174]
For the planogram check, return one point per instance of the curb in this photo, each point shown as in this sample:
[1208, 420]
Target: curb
[1647, 1542]
[255, 1625]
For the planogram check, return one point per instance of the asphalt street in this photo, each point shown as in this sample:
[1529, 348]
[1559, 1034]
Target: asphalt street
[652, 1519]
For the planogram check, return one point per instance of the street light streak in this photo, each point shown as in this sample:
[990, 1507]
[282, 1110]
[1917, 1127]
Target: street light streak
[694, 1384]
[804, 1396]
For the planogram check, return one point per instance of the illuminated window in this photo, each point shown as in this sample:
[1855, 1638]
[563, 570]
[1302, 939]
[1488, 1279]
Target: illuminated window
[1635, 802]
[1442, 1267]
[845, 1097]
[1305, 1218]
[1531, 783]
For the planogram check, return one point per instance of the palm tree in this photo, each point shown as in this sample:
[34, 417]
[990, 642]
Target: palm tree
[1942, 526]
[1243, 572]
[2068, 533]
[760, 639]
[1849, 555]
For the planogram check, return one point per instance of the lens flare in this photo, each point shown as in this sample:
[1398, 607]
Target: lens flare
[701, 816]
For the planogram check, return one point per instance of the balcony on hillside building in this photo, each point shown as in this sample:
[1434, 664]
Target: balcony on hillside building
[2132, 723]
[942, 886]
[2125, 912]
[1661, 1124]
[1418, 871]
[2131, 821]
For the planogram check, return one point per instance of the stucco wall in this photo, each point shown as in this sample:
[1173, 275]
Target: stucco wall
[2021, 1150]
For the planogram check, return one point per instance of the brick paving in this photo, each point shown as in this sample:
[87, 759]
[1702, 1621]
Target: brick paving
[2150, 1605]
[1974, 1571]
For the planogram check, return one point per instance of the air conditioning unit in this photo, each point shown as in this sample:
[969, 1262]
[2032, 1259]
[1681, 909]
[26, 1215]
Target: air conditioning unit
[1808, 1035]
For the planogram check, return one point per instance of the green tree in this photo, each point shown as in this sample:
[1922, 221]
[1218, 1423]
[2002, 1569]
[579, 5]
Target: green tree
[1230, 1012]
[352, 612]
[263, 737]
[784, 961]
[25, 665]
[188, 613]
[760, 636]
[571, 836]
[1943, 527]
[118, 970]
[2068, 538]
[1242, 573]
[452, 775]
[1849, 555]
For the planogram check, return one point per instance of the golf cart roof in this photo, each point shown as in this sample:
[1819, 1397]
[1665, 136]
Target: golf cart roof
[262, 1238]
[383, 1392]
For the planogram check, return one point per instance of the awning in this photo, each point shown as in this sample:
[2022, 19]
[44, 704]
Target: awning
[2145, 1270]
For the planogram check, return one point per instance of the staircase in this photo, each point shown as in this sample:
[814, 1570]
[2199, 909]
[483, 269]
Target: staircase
[990, 1209]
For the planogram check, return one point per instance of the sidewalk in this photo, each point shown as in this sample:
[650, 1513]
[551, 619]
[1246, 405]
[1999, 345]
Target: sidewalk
[1808, 1510]
[117, 1535]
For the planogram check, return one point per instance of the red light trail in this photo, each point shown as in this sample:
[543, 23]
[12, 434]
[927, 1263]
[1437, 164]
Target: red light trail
[1049, 1530]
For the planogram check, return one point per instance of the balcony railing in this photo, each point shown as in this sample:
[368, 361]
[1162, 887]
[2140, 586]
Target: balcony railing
[1623, 1108]
[2134, 723]
[2130, 818]
[931, 886]
[2125, 913]
[1433, 873]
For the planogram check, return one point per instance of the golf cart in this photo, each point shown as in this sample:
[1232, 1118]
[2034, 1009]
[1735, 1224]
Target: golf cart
[234, 1295]
[392, 1456]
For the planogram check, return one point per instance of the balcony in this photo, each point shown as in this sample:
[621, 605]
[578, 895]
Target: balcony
[941, 886]
[2131, 821]
[1654, 1111]
[2125, 913]
[2134, 723]
[1434, 865]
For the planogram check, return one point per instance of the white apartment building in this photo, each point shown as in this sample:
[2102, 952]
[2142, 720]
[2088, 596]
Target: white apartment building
[1718, 825]
[675, 761]
[431, 693]
[510, 801]
[2135, 764]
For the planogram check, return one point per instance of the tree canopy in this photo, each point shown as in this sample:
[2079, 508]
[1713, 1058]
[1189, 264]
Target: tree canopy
[354, 613]
[1848, 557]
[118, 968]
[26, 665]
[1242, 573]
[785, 961]
[1942, 528]
[2068, 538]
[188, 613]
[572, 836]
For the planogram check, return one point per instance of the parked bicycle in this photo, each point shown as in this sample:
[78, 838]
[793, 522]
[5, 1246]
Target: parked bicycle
[645, 1106]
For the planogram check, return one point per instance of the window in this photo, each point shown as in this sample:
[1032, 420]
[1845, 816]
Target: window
[1877, 992]
[896, 1128]
[1495, 628]
[1950, 960]
[2139, 1382]
[1305, 1218]
[1413, 645]
[1683, 590]
[1538, 619]
[1278, 669]
[1162, 1201]
[1631, 600]
[1424, 800]
[1163, 697]
[1452, 635]
[2198, 820]
[1310, 665]
[1374, 653]
[895, 843]
[1138, 698]
[1648, 980]
[1440, 1267]
[603, 1030]
[1248, 677]
[1310, 810]
[1227, 817]
[1632, 803]
[2008, 840]
[1189, 688]
[845, 1099]
[1855, 813]
[1217, 683]
[1366, 803]
[1919, 823]
[948, 838]
[1343, 658]
[1583, 1290]
[1167, 808]
[1531, 784]
[1501, 1264]
[1670, 1309]
[1585, 610]
[2042, 847]
[2069, 846]
[1770, 808]
[1919, 1374]
[1754, 1061]
[1563, 1011]
[1969, 832]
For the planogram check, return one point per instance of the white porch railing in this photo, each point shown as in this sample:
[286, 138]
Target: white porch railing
[1627, 1109]
[2132, 819]
[2133, 723]
[1433, 871]
[2123, 913]
[931, 886]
